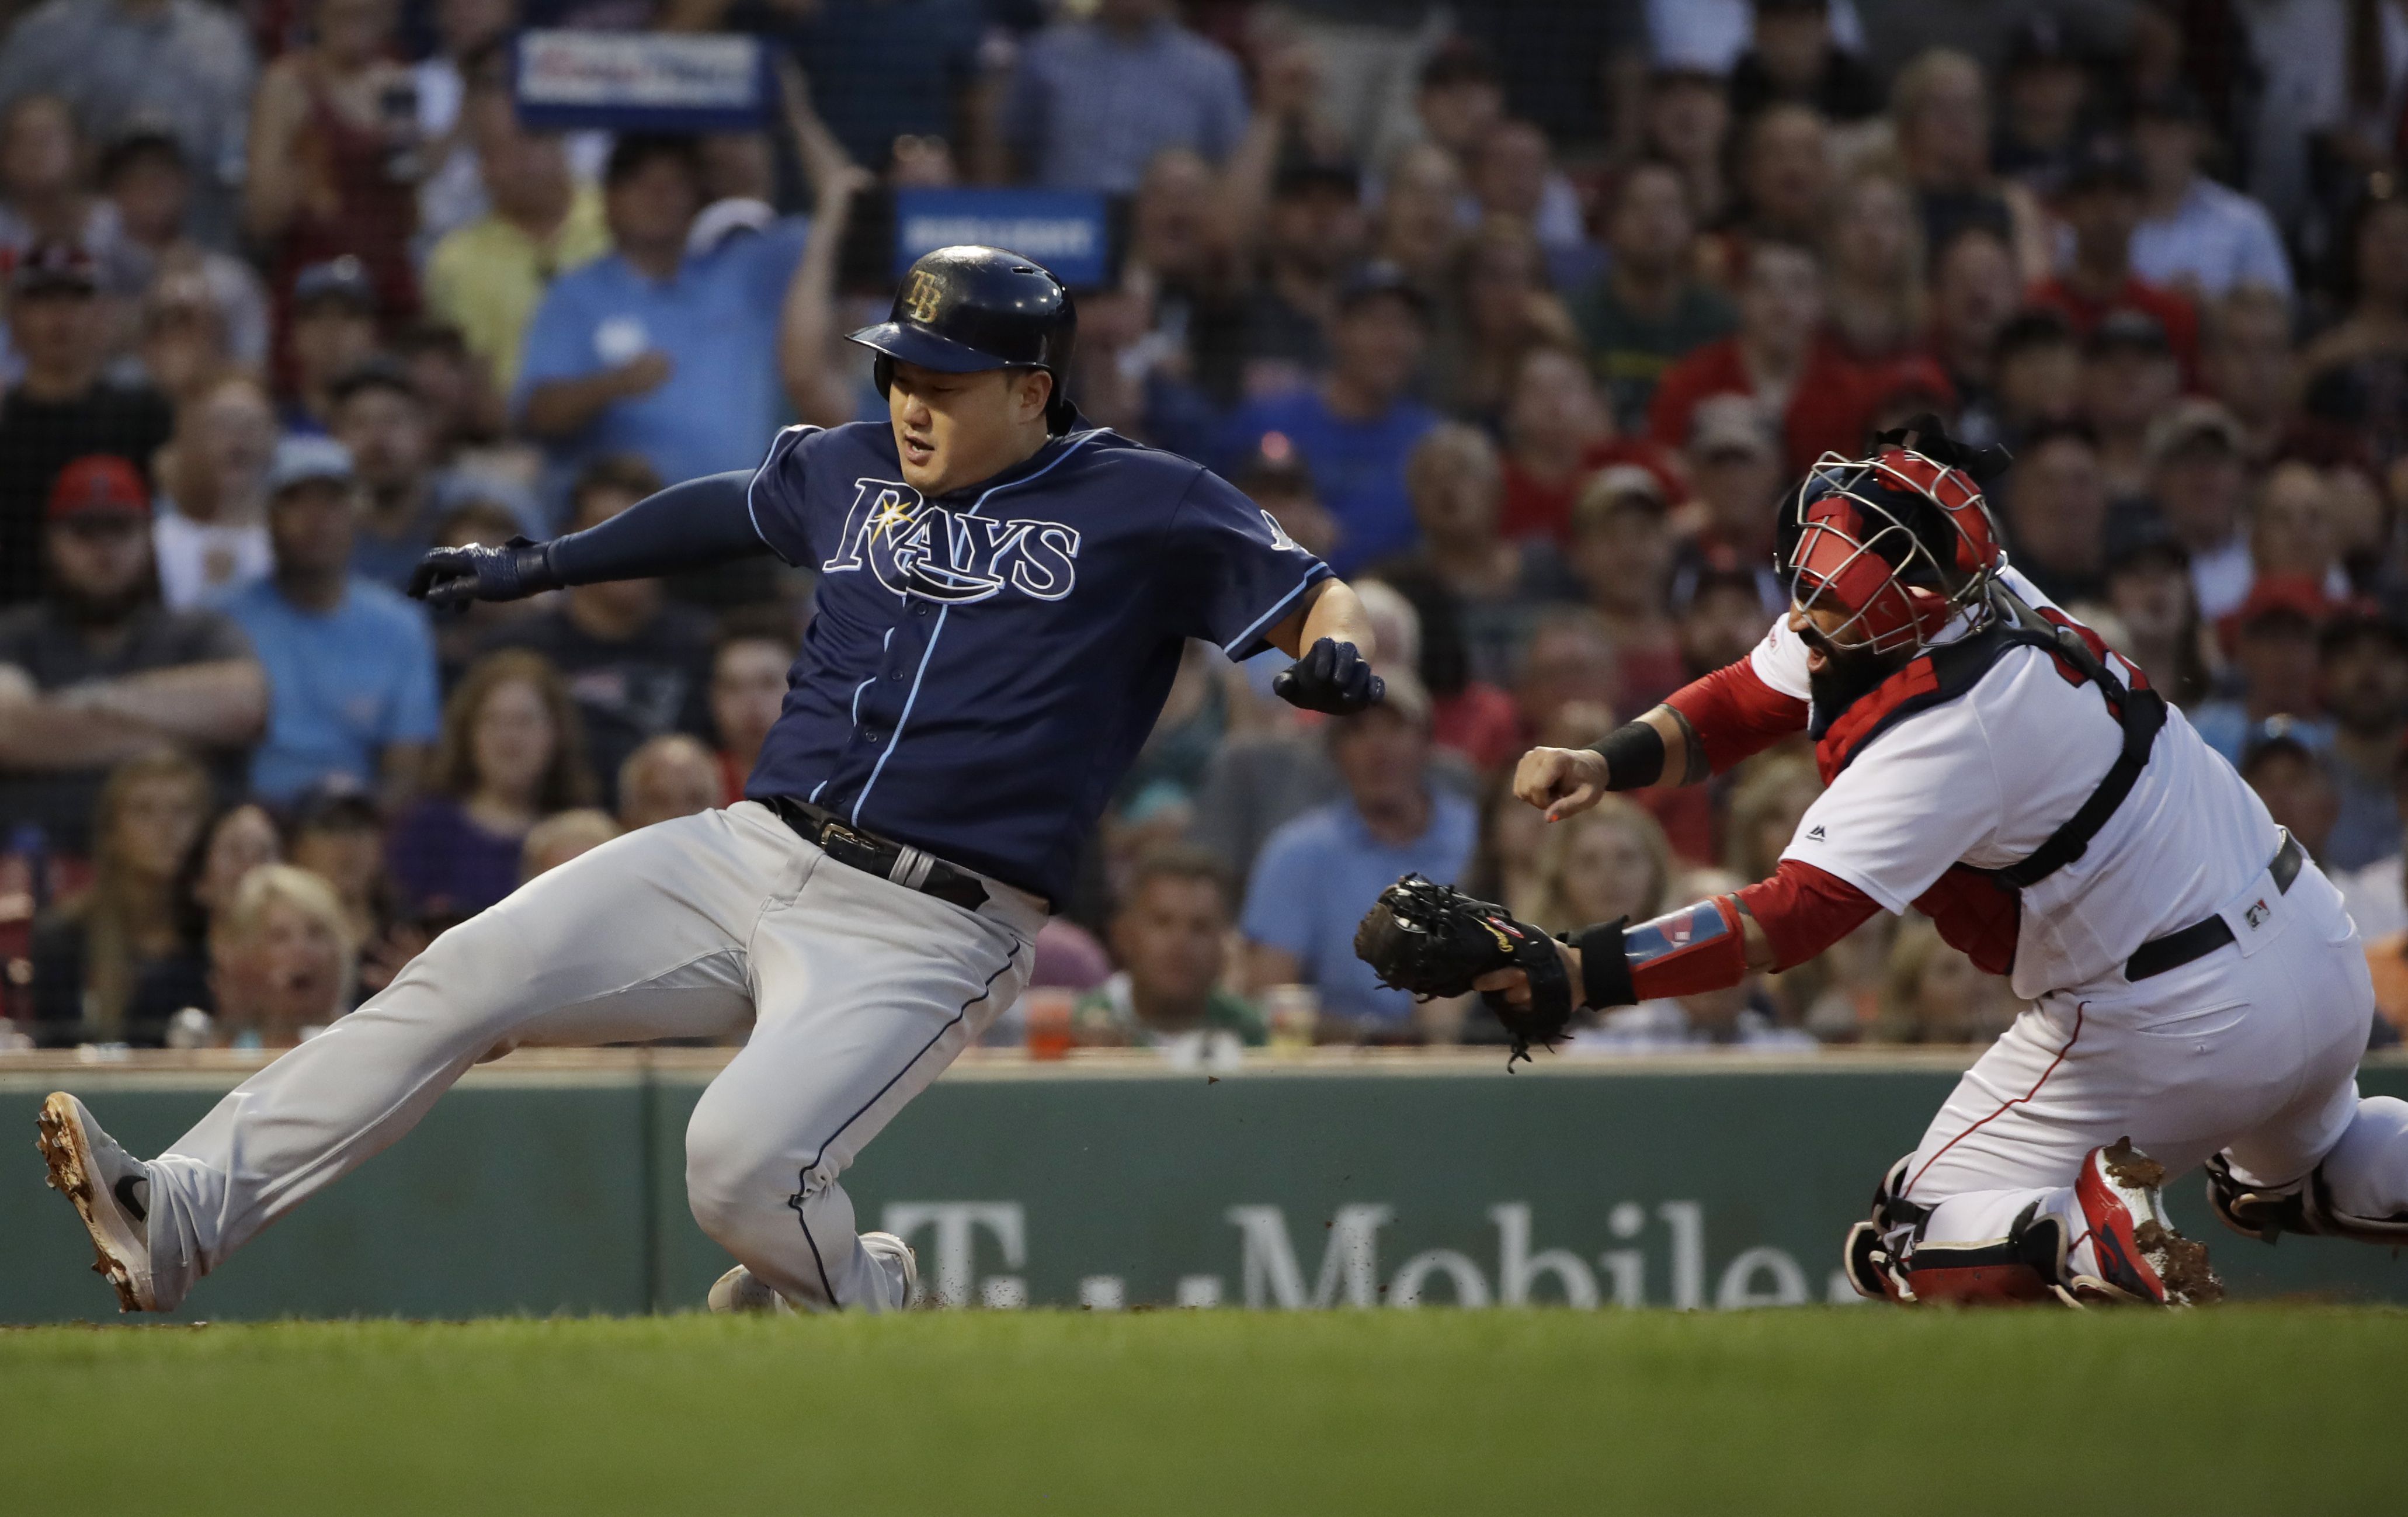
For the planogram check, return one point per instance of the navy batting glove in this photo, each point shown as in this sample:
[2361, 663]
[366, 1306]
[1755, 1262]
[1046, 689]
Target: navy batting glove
[1330, 677]
[457, 575]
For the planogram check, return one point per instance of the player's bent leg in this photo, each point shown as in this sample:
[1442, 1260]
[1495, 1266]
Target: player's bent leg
[867, 991]
[638, 938]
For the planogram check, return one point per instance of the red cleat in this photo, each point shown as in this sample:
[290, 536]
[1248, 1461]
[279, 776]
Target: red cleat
[2141, 1256]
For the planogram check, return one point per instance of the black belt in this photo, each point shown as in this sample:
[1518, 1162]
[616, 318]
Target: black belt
[2205, 936]
[911, 867]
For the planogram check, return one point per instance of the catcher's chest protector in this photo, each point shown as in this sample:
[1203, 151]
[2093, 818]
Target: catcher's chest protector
[1978, 911]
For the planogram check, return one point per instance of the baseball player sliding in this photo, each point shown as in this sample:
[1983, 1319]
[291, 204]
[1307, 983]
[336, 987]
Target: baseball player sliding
[1003, 599]
[2199, 996]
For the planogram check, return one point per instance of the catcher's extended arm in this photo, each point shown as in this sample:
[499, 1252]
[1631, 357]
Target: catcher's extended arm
[1433, 940]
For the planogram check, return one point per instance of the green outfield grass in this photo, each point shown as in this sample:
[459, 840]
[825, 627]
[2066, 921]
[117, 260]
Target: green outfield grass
[2247, 1409]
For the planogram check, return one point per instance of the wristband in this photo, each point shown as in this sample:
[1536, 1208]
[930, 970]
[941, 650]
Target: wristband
[1605, 965]
[1634, 756]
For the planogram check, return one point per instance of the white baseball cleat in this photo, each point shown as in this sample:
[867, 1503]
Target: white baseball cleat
[900, 1260]
[111, 1192]
[740, 1289]
[2141, 1256]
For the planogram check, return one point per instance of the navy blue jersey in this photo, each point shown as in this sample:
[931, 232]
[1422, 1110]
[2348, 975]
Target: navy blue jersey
[983, 667]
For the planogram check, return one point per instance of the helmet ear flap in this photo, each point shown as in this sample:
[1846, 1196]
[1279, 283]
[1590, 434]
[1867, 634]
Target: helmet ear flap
[881, 373]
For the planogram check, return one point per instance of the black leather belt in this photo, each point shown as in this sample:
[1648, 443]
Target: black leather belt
[911, 867]
[2205, 936]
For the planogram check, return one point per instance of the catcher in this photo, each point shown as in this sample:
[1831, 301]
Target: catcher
[2198, 995]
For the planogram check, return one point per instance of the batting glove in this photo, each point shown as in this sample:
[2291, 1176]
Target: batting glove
[1331, 677]
[457, 575]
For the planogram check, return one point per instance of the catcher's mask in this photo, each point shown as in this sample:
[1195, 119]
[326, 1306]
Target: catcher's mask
[1901, 542]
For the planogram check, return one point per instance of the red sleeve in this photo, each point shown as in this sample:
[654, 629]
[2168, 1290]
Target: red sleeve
[1804, 911]
[1735, 714]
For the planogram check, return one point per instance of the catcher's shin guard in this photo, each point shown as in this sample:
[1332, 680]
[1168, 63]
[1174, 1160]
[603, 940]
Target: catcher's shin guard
[2305, 1206]
[1888, 1259]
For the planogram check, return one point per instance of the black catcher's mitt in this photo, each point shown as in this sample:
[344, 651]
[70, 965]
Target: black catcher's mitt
[1433, 940]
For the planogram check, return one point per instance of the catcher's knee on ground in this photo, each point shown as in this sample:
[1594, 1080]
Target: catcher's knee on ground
[1889, 1257]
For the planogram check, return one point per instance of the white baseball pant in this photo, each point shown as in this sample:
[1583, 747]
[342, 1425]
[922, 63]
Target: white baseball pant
[2251, 1050]
[860, 993]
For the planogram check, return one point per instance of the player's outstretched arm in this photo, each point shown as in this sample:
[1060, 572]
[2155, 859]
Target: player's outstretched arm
[1331, 641]
[1653, 751]
[687, 526]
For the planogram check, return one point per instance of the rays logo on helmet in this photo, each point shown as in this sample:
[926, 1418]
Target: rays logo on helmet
[916, 549]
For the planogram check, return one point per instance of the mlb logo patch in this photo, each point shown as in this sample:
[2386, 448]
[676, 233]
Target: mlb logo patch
[2257, 913]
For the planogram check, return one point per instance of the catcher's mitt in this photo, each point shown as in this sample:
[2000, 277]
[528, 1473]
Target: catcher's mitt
[1433, 940]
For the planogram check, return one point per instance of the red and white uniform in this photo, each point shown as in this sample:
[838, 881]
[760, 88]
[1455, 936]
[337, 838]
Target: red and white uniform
[2251, 1049]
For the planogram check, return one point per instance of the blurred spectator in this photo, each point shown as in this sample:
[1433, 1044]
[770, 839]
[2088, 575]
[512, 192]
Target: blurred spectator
[1778, 356]
[1720, 619]
[668, 777]
[1557, 433]
[1933, 994]
[1648, 311]
[637, 663]
[179, 339]
[749, 662]
[2130, 377]
[1622, 556]
[1419, 223]
[211, 525]
[1771, 798]
[335, 155]
[882, 71]
[1314, 232]
[2103, 203]
[1611, 861]
[332, 330]
[2195, 234]
[1737, 466]
[1794, 58]
[2364, 676]
[1356, 428]
[128, 63]
[2273, 641]
[487, 276]
[2353, 371]
[1307, 888]
[472, 49]
[1458, 97]
[1874, 251]
[1567, 684]
[1274, 477]
[337, 835]
[653, 351]
[1488, 581]
[561, 837]
[2043, 92]
[1785, 175]
[2290, 773]
[2199, 482]
[1094, 99]
[2291, 529]
[1713, 36]
[1511, 177]
[2039, 373]
[1498, 309]
[1169, 937]
[512, 753]
[2054, 505]
[238, 839]
[1940, 108]
[98, 672]
[2149, 592]
[148, 226]
[383, 420]
[61, 408]
[45, 195]
[351, 665]
[88, 954]
[2251, 367]
[1973, 297]
[1688, 123]
[286, 961]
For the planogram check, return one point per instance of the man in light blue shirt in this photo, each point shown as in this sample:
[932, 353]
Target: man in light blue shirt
[1094, 100]
[651, 352]
[351, 665]
[2197, 234]
[1318, 874]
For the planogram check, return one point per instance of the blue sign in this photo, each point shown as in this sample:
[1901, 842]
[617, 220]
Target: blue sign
[1061, 229]
[641, 81]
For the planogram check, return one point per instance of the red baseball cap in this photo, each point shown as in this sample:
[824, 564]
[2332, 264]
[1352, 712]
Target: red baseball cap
[97, 484]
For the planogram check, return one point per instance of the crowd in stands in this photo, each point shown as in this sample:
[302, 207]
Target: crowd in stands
[1524, 316]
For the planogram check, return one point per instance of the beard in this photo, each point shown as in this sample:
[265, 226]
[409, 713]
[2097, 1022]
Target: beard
[102, 613]
[1847, 676]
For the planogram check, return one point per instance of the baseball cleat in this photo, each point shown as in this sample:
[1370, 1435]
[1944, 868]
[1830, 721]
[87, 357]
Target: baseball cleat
[900, 1260]
[2141, 1256]
[111, 1192]
[740, 1289]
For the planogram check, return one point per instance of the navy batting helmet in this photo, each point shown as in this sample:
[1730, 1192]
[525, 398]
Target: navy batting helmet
[961, 310]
